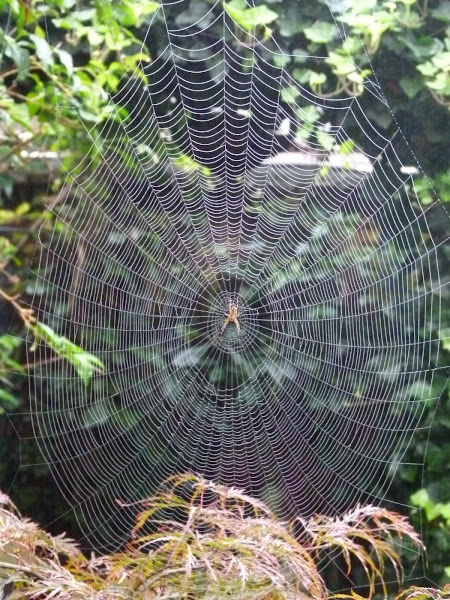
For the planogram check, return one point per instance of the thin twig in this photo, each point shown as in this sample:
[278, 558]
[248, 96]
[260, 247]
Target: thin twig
[26, 314]
[16, 148]
[13, 279]
[73, 124]
[36, 365]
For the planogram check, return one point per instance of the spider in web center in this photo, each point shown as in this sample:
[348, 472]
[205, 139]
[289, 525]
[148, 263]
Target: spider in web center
[232, 317]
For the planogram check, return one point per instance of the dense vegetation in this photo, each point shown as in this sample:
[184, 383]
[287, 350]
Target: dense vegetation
[63, 58]
[211, 542]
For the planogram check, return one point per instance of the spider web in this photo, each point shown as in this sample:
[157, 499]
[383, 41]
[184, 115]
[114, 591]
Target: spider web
[201, 194]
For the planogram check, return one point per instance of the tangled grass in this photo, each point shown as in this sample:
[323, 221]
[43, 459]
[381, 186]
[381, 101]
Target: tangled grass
[199, 540]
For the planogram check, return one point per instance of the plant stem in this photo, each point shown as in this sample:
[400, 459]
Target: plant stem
[26, 314]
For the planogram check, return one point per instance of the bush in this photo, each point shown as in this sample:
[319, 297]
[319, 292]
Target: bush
[196, 539]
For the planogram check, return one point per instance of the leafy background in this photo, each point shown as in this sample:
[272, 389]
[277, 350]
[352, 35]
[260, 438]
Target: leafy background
[64, 57]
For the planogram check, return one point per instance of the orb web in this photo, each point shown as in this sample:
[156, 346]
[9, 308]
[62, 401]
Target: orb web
[202, 198]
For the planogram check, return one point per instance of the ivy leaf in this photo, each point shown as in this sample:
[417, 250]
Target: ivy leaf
[321, 32]
[291, 21]
[441, 83]
[325, 139]
[432, 509]
[316, 79]
[410, 86]
[427, 69]
[261, 15]
[442, 60]
[342, 65]
[302, 75]
[248, 18]
[95, 39]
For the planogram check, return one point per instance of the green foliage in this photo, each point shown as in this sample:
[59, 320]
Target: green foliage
[371, 19]
[8, 365]
[433, 510]
[437, 514]
[45, 88]
[436, 73]
[84, 363]
[249, 18]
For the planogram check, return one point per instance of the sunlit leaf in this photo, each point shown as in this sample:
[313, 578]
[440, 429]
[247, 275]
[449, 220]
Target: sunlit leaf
[84, 363]
[43, 50]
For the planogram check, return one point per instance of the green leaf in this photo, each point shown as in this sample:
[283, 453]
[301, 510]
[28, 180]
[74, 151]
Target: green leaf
[22, 209]
[291, 20]
[316, 79]
[411, 86]
[9, 342]
[301, 75]
[6, 184]
[309, 113]
[289, 94]
[321, 32]
[95, 39]
[85, 363]
[125, 15]
[145, 7]
[325, 139]
[445, 338]
[249, 18]
[432, 509]
[441, 83]
[442, 12]
[8, 401]
[305, 131]
[342, 65]
[423, 47]
[352, 45]
[279, 60]
[64, 23]
[83, 16]
[43, 50]
[428, 69]
[442, 60]
[261, 15]
[356, 77]
[420, 498]
[66, 60]
[346, 147]
[20, 56]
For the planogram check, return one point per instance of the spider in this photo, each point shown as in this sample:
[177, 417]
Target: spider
[231, 317]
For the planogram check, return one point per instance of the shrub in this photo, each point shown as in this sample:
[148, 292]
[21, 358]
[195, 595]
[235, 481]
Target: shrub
[198, 539]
